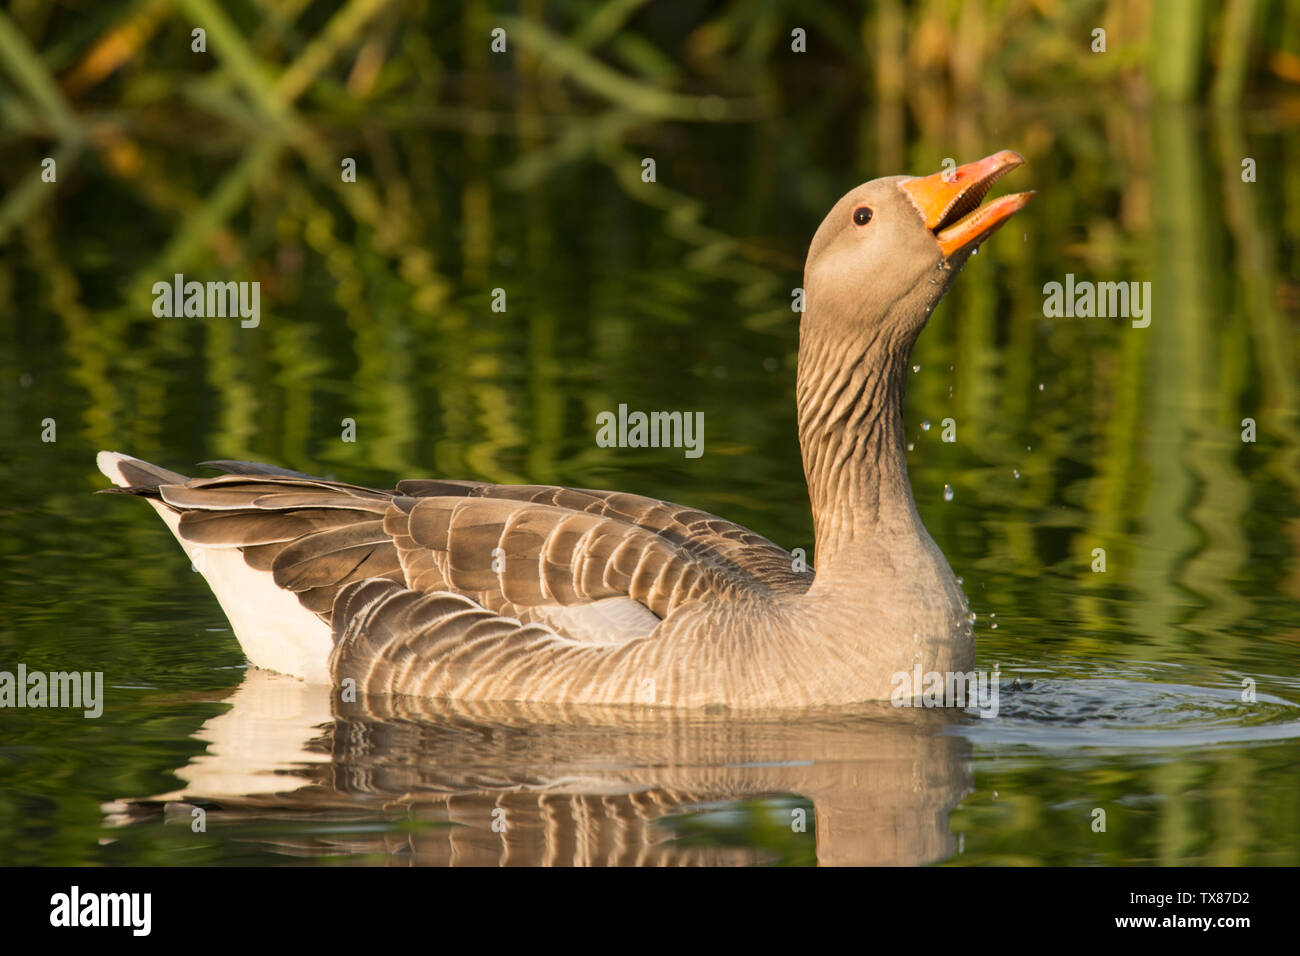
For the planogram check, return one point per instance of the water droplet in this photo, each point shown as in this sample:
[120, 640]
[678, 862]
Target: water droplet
[994, 625]
[925, 426]
[975, 251]
[910, 446]
[1040, 386]
[1029, 448]
[915, 369]
[961, 580]
[972, 617]
[947, 492]
[1016, 472]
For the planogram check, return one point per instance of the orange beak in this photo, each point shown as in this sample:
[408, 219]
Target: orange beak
[950, 201]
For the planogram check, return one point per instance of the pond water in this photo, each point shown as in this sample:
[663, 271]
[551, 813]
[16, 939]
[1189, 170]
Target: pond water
[1162, 691]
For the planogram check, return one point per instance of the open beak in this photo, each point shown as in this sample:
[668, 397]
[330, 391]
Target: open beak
[950, 201]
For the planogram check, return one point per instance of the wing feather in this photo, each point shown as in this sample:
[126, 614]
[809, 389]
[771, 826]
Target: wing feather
[577, 563]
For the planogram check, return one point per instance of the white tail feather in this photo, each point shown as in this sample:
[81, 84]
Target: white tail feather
[275, 631]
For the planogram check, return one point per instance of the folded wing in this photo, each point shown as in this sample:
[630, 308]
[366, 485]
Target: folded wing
[587, 566]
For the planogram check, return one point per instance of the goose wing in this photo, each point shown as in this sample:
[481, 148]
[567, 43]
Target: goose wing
[589, 566]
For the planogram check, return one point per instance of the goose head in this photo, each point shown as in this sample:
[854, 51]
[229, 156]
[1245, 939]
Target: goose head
[886, 253]
[877, 267]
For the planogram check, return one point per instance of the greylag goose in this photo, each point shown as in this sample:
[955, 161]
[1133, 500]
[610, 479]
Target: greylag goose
[475, 591]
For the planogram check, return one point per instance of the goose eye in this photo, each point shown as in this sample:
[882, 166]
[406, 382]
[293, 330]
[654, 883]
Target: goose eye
[862, 215]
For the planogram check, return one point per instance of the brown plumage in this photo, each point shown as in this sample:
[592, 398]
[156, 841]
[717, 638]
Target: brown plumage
[475, 591]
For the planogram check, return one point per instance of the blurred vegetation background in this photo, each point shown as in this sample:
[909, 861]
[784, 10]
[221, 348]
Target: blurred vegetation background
[521, 170]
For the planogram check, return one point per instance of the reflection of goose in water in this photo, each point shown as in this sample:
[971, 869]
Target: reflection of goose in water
[577, 785]
[471, 591]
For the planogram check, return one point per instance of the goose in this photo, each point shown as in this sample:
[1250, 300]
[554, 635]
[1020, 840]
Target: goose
[473, 591]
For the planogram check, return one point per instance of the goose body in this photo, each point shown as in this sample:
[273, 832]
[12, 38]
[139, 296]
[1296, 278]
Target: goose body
[475, 591]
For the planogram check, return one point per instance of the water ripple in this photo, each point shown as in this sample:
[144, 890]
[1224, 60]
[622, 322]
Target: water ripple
[1117, 714]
